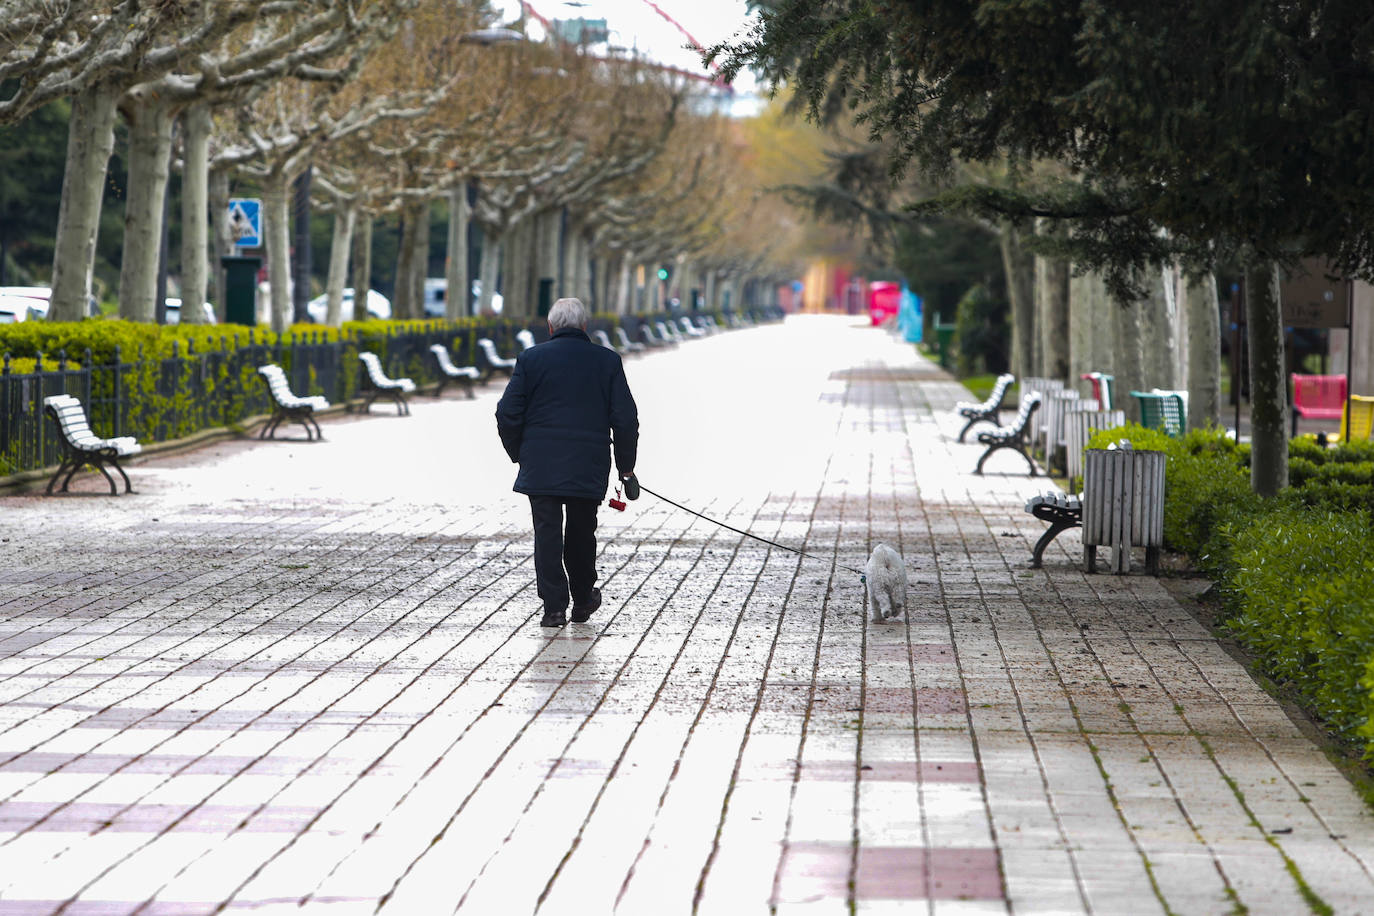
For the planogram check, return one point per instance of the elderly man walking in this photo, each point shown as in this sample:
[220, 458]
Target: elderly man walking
[566, 400]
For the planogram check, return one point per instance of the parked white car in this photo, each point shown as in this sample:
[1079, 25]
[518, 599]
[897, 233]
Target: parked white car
[173, 309]
[378, 306]
[38, 297]
[14, 309]
[436, 294]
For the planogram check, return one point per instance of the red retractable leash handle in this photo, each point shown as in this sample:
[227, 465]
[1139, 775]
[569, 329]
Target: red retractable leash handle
[631, 486]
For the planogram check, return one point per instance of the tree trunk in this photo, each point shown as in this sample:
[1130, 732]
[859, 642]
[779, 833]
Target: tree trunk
[1158, 333]
[1204, 354]
[1020, 270]
[490, 267]
[1052, 312]
[401, 305]
[276, 205]
[362, 265]
[1085, 317]
[1126, 329]
[150, 145]
[458, 294]
[345, 217]
[516, 268]
[224, 241]
[419, 268]
[548, 265]
[195, 213]
[90, 139]
[624, 297]
[302, 258]
[1268, 390]
[570, 251]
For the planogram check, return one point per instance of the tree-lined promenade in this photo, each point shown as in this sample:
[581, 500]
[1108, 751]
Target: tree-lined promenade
[309, 677]
[588, 170]
[1136, 134]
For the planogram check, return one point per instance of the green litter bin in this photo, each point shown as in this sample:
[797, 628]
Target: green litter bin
[944, 341]
[240, 289]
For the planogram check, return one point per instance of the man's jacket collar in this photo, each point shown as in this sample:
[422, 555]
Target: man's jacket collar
[570, 332]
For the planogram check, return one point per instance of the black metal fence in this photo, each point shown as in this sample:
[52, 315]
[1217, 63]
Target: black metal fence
[162, 398]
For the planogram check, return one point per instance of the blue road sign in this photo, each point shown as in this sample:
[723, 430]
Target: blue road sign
[245, 221]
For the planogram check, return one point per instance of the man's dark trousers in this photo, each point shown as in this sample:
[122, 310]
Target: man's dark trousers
[558, 547]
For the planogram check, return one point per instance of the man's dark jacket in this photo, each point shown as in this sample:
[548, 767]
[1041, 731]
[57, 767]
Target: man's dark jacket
[565, 398]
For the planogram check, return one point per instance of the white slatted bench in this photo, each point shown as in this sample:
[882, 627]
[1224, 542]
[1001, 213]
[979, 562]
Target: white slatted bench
[80, 446]
[990, 410]
[375, 384]
[1123, 506]
[448, 372]
[626, 344]
[492, 361]
[288, 406]
[690, 329]
[668, 332]
[1014, 437]
[1062, 511]
[524, 337]
[652, 339]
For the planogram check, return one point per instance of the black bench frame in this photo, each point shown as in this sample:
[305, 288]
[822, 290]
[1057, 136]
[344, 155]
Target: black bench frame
[990, 410]
[1014, 437]
[75, 457]
[1062, 512]
[304, 414]
[485, 364]
[371, 388]
[446, 377]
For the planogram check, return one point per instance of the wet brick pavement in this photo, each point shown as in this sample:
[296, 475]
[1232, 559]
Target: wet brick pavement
[293, 676]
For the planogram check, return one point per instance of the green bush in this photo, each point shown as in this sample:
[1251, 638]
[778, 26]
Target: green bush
[1304, 603]
[1294, 571]
[980, 328]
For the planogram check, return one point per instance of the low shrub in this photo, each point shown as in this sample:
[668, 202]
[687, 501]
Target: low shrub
[1294, 571]
[1303, 602]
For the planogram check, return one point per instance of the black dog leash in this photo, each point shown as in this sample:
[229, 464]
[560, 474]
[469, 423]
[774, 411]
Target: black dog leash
[747, 534]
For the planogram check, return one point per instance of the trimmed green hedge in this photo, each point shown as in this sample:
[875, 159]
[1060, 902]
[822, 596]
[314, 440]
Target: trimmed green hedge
[1296, 573]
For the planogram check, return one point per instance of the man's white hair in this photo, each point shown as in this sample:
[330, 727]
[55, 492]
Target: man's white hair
[568, 313]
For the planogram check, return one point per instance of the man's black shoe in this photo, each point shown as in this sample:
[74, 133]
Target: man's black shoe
[581, 612]
[554, 618]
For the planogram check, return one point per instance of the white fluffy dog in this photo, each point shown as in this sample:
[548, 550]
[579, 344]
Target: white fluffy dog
[885, 576]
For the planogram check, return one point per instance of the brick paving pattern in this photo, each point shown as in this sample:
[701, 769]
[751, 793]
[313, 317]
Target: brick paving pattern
[293, 675]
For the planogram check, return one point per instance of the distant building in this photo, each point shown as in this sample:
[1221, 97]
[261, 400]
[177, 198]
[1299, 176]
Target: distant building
[581, 31]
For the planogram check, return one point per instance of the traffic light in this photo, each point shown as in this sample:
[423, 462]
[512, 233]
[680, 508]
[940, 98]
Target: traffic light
[663, 273]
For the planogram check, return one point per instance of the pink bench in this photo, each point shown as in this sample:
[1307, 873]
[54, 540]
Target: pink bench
[1318, 397]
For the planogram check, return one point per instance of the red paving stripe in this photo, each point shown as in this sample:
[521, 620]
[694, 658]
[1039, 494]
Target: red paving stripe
[817, 871]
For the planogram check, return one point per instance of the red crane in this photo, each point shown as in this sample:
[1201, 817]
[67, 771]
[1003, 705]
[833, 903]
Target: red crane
[691, 39]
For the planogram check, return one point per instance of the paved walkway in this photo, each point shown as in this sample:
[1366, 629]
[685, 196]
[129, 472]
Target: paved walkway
[292, 675]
